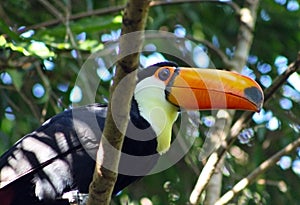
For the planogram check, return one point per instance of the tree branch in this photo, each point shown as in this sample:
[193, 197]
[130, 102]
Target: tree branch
[101, 187]
[115, 9]
[281, 79]
[263, 167]
[52, 10]
[233, 5]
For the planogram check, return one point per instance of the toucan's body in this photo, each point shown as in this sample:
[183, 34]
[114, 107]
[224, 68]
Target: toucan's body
[73, 169]
[59, 156]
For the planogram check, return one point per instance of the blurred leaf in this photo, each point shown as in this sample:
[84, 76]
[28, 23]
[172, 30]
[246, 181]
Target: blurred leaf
[88, 25]
[40, 49]
[19, 48]
[5, 29]
[6, 126]
[88, 44]
[17, 77]
[2, 40]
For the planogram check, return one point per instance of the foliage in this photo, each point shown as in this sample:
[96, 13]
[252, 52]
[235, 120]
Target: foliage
[40, 60]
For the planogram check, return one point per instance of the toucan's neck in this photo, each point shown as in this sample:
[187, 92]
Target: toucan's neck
[156, 110]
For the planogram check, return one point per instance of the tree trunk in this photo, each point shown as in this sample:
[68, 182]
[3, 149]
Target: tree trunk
[134, 19]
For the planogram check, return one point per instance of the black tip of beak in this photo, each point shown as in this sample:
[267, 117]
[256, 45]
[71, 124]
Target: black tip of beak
[254, 95]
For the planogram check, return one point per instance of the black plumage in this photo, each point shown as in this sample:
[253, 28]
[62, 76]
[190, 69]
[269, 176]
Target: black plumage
[69, 142]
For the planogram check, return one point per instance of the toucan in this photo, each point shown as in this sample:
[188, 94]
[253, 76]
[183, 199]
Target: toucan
[58, 157]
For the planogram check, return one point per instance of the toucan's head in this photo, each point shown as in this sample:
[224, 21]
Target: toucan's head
[164, 88]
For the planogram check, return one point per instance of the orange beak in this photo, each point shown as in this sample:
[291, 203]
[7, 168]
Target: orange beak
[206, 89]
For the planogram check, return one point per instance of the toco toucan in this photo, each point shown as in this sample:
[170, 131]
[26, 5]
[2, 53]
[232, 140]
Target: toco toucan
[59, 156]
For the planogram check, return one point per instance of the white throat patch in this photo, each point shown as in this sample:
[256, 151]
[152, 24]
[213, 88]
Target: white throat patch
[153, 106]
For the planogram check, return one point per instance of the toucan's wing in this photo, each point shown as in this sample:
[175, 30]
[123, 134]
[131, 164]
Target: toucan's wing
[45, 163]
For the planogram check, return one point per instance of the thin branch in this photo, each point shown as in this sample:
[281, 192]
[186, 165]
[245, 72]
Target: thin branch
[66, 21]
[262, 168]
[52, 10]
[8, 87]
[54, 22]
[62, 6]
[10, 102]
[29, 104]
[281, 79]
[218, 51]
[4, 16]
[48, 90]
[233, 5]
[115, 9]
[21, 62]
[71, 35]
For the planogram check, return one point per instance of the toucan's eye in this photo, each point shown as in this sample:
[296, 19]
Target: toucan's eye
[164, 74]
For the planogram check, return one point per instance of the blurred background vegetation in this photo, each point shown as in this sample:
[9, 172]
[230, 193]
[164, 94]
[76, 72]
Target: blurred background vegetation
[43, 45]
